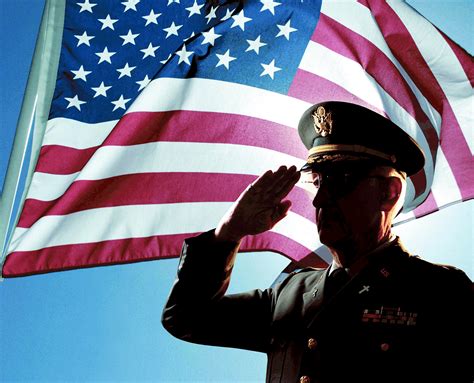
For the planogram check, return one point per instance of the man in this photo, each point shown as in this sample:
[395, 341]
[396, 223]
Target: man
[377, 313]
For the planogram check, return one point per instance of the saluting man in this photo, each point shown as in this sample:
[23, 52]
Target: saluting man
[377, 313]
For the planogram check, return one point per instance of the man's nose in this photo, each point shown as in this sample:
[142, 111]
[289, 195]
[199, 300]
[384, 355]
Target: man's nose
[322, 196]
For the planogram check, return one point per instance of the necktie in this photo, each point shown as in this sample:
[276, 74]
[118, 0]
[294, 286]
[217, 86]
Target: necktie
[336, 281]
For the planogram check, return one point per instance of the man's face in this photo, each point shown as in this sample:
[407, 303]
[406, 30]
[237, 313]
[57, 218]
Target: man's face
[347, 206]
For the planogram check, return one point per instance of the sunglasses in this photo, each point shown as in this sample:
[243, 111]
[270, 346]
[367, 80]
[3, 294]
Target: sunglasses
[337, 183]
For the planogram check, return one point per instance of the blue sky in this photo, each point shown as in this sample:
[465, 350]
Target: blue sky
[104, 323]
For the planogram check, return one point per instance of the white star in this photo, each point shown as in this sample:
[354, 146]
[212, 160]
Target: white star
[228, 14]
[149, 51]
[195, 9]
[225, 59]
[83, 39]
[285, 30]
[210, 37]
[269, 5]
[143, 83]
[74, 102]
[81, 73]
[108, 23]
[126, 71]
[183, 55]
[105, 55]
[101, 90]
[120, 103]
[269, 69]
[240, 20]
[130, 4]
[172, 1]
[255, 45]
[151, 18]
[166, 59]
[172, 30]
[212, 14]
[129, 38]
[86, 6]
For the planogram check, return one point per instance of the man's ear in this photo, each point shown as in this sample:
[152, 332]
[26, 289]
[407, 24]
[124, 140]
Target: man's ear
[391, 193]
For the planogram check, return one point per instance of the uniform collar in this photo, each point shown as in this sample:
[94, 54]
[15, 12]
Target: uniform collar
[363, 261]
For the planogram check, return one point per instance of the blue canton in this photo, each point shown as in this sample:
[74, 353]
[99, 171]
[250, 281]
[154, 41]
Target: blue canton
[112, 50]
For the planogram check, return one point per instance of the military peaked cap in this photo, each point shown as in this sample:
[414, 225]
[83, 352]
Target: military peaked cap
[339, 131]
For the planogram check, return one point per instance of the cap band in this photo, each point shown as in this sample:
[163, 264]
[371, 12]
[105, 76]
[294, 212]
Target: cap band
[349, 148]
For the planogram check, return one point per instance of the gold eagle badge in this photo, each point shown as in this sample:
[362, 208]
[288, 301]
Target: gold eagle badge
[322, 121]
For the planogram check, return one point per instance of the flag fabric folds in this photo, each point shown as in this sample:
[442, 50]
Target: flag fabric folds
[163, 113]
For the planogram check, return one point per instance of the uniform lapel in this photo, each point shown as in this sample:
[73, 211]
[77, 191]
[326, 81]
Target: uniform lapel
[373, 279]
[313, 299]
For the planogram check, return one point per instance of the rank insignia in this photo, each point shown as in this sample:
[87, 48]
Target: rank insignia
[385, 272]
[390, 315]
[322, 121]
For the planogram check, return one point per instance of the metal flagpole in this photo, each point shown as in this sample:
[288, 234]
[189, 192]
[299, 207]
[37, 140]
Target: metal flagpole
[32, 121]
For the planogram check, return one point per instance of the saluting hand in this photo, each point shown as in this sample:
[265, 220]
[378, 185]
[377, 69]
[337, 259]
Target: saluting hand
[260, 206]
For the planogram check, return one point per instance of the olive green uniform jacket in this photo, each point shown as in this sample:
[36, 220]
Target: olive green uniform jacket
[401, 319]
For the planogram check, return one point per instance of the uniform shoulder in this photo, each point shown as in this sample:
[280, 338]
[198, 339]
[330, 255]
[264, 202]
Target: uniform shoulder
[307, 272]
[297, 276]
[437, 269]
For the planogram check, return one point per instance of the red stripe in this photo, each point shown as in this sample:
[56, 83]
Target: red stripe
[56, 159]
[314, 89]
[66, 257]
[154, 188]
[178, 126]
[404, 48]
[57, 258]
[428, 206]
[342, 40]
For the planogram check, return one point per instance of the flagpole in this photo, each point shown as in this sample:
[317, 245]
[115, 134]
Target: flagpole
[32, 121]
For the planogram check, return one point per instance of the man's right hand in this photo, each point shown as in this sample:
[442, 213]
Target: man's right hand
[260, 206]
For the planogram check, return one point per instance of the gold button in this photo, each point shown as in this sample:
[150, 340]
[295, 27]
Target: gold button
[305, 379]
[312, 343]
[384, 346]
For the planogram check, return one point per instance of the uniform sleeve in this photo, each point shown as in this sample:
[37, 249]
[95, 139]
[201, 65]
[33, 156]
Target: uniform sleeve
[198, 310]
[460, 320]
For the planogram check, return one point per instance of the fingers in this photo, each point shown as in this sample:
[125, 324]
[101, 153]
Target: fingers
[282, 189]
[263, 182]
[273, 182]
[281, 176]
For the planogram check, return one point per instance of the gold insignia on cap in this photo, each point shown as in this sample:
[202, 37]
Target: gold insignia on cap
[322, 121]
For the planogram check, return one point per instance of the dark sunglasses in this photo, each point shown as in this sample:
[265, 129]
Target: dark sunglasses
[336, 183]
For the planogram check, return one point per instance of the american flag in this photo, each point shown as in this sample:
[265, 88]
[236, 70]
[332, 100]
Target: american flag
[164, 111]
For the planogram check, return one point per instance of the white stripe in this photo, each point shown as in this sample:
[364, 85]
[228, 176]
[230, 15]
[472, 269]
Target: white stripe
[444, 64]
[197, 94]
[358, 18]
[157, 157]
[47, 187]
[409, 203]
[204, 95]
[76, 134]
[445, 189]
[350, 75]
[133, 221]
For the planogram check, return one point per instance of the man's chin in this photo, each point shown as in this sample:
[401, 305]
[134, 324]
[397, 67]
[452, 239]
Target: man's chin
[331, 238]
